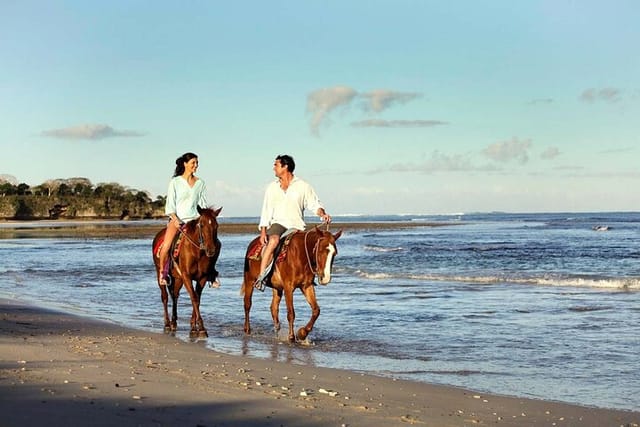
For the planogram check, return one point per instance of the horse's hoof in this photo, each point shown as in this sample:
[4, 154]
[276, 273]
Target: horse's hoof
[167, 329]
[302, 334]
[203, 334]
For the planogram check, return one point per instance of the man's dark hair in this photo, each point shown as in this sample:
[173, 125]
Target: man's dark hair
[287, 160]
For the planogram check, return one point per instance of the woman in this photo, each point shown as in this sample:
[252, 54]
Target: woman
[186, 192]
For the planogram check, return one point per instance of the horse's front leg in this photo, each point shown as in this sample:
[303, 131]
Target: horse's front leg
[310, 295]
[175, 294]
[291, 312]
[275, 305]
[202, 332]
[197, 325]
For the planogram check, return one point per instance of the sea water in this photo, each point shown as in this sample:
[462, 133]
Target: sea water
[532, 305]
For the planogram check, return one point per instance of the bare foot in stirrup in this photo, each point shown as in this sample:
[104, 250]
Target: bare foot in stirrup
[162, 281]
[215, 283]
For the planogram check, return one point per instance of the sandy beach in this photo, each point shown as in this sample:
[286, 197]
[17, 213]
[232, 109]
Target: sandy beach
[59, 369]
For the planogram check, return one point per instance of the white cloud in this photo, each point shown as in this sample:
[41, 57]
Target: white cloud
[438, 162]
[321, 102]
[397, 123]
[89, 131]
[506, 151]
[540, 101]
[550, 153]
[380, 99]
[606, 94]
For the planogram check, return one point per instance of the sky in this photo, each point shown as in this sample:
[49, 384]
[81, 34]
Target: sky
[388, 107]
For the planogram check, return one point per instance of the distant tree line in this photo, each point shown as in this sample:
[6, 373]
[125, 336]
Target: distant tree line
[76, 198]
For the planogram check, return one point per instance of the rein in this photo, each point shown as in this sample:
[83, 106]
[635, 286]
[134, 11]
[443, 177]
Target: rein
[200, 245]
[314, 251]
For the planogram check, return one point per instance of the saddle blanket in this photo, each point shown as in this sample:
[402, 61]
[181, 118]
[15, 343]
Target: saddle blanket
[176, 249]
[255, 251]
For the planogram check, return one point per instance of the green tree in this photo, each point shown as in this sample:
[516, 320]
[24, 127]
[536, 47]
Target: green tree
[8, 189]
[64, 190]
[23, 189]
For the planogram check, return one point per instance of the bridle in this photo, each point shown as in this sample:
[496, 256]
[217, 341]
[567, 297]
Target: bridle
[201, 245]
[313, 252]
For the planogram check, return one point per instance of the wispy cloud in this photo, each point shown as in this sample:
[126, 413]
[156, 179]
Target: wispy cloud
[438, 162]
[506, 151]
[540, 101]
[397, 123]
[618, 150]
[91, 132]
[550, 153]
[380, 99]
[321, 102]
[606, 94]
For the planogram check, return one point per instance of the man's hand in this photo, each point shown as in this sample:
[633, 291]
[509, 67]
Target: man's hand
[326, 218]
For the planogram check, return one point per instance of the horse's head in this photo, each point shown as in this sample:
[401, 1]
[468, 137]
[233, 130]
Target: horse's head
[208, 230]
[325, 251]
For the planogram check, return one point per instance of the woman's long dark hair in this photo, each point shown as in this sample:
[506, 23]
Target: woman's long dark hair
[180, 161]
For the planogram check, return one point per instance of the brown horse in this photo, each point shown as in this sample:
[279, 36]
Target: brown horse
[308, 253]
[195, 260]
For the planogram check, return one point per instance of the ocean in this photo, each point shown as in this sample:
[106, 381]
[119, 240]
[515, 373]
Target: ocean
[534, 305]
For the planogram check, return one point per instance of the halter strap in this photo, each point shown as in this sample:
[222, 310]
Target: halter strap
[314, 251]
[200, 245]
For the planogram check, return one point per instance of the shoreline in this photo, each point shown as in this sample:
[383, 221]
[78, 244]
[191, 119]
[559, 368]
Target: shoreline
[59, 368]
[148, 228]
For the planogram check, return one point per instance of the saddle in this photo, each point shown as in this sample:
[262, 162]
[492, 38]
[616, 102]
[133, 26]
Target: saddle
[280, 254]
[175, 250]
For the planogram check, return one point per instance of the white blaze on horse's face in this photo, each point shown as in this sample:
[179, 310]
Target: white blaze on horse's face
[325, 278]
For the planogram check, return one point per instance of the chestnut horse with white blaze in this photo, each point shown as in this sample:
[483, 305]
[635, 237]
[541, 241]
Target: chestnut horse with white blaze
[307, 254]
[196, 259]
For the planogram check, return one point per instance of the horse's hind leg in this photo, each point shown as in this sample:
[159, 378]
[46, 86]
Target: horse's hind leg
[247, 291]
[275, 305]
[310, 295]
[164, 296]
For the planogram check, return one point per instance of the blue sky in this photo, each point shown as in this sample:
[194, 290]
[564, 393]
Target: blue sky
[404, 107]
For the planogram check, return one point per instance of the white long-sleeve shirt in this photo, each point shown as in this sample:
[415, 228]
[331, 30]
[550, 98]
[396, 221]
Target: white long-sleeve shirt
[287, 207]
[184, 200]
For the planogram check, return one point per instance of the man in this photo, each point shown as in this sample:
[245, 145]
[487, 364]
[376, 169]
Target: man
[283, 208]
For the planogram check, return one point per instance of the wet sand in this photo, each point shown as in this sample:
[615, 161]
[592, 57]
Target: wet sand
[141, 229]
[58, 370]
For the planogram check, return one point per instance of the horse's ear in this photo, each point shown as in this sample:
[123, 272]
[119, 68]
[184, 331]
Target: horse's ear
[216, 212]
[337, 235]
[199, 209]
